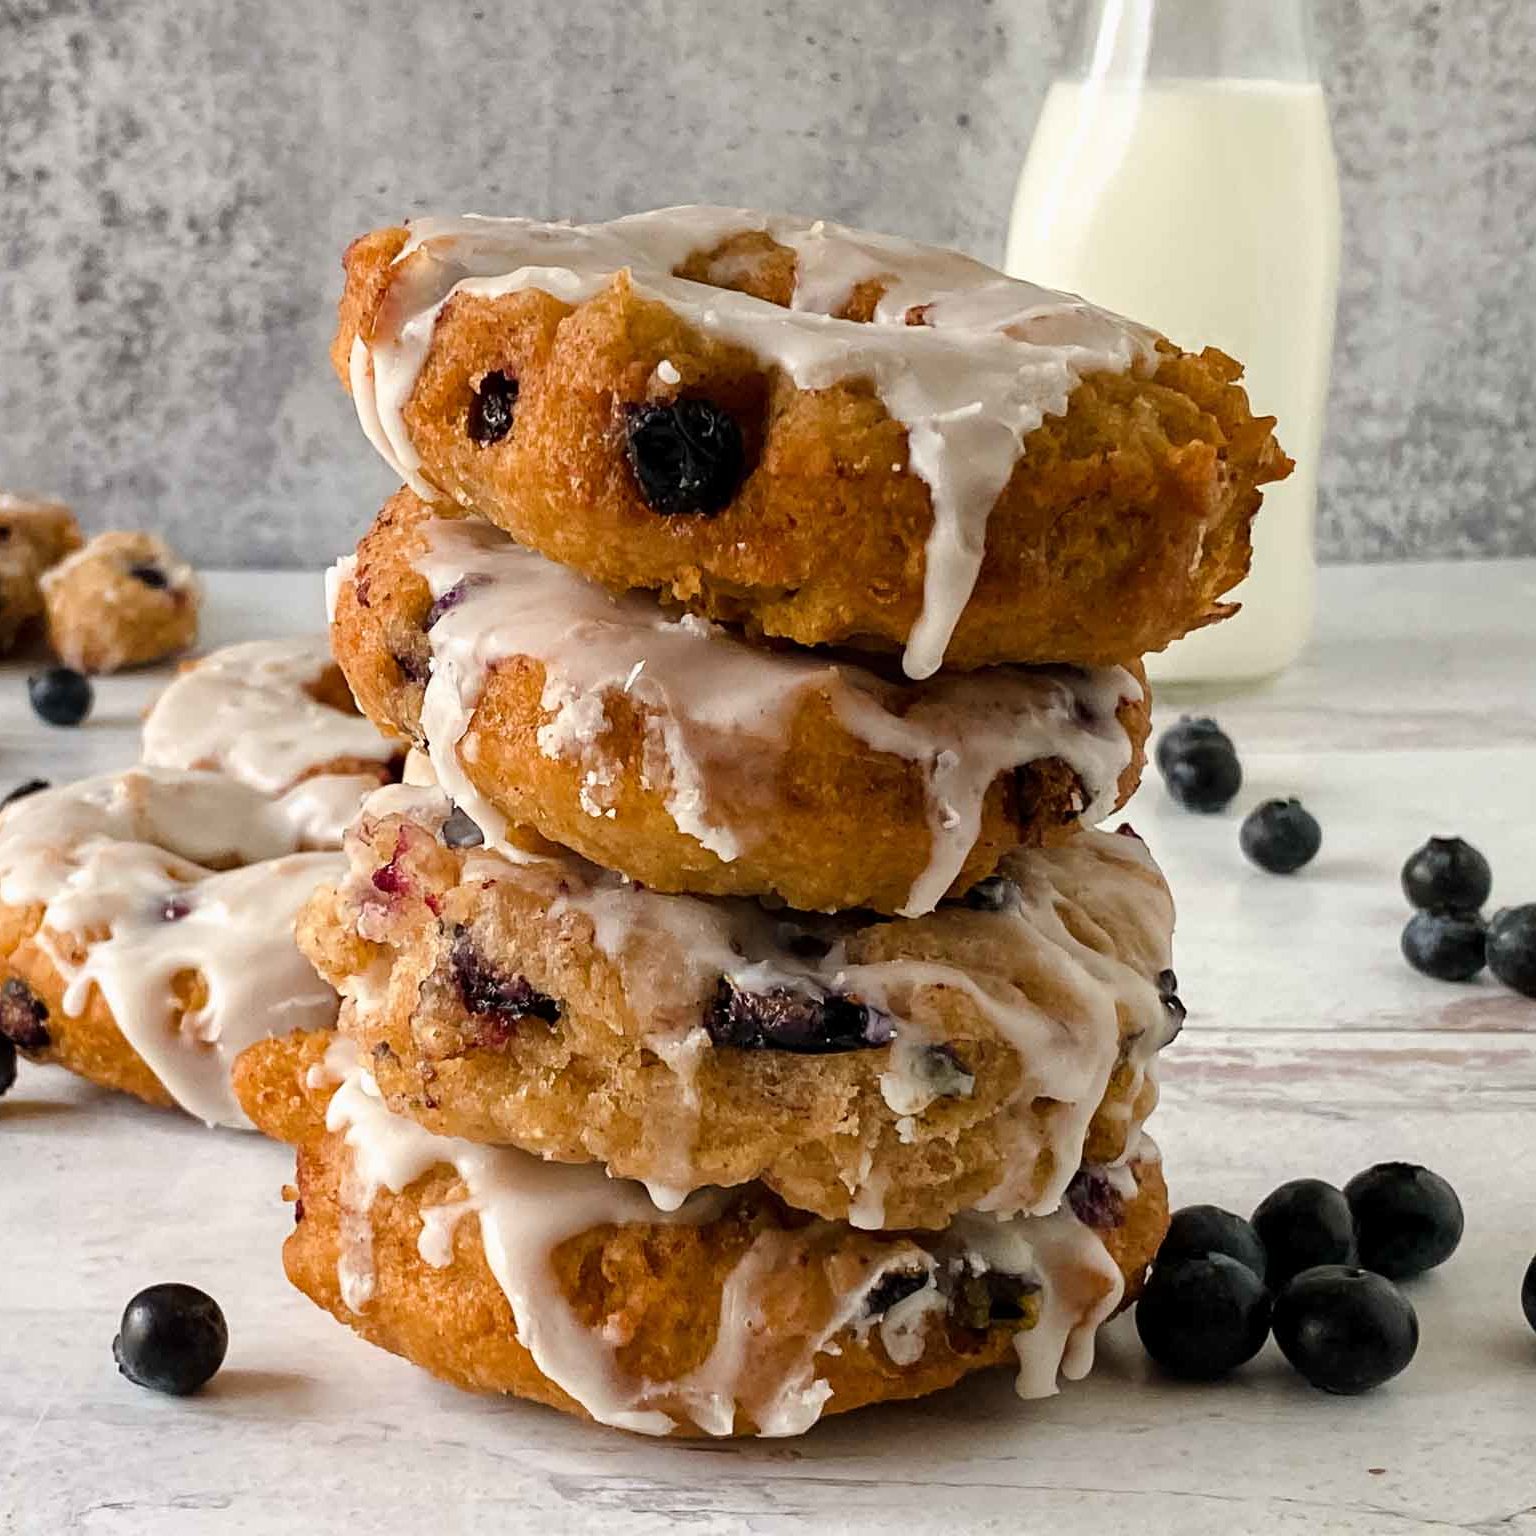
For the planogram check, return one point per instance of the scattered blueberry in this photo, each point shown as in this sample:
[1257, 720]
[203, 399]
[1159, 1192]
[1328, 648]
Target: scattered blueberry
[1201, 1318]
[1407, 1219]
[173, 1339]
[1512, 948]
[782, 1019]
[1304, 1223]
[1200, 1230]
[492, 409]
[174, 908]
[22, 790]
[1450, 946]
[687, 456]
[1447, 875]
[1205, 775]
[61, 696]
[7, 1066]
[1280, 836]
[1345, 1329]
[1528, 1294]
[1177, 739]
[150, 576]
[452, 598]
[23, 1016]
[462, 831]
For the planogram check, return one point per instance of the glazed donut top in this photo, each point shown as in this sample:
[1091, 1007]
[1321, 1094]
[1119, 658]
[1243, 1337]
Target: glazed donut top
[254, 711]
[526, 1208]
[968, 360]
[674, 952]
[158, 872]
[715, 697]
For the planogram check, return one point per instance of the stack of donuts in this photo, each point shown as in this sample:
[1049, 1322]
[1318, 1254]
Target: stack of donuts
[743, 1019]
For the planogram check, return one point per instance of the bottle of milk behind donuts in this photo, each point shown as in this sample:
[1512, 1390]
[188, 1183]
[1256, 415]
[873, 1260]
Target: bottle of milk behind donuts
[1182, 172]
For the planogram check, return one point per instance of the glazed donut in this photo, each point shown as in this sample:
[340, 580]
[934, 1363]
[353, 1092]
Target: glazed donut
[730, 1314]
[670, 750]
[124, 600]
[275, 714]
[147, 930]
[34, 535]
[886, 1072]
[823, 434]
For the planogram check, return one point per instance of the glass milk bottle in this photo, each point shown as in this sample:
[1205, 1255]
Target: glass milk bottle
[1182, 172]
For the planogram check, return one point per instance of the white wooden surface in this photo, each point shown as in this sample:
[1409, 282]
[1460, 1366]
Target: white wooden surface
[1311, 1049]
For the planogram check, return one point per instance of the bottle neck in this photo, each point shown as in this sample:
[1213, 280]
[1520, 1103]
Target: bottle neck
[1132, 40]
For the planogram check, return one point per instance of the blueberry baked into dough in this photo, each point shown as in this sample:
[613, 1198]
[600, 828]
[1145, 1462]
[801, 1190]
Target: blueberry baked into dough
[728, 1314]
[822, 434]
[888, 1072]
[672, 750]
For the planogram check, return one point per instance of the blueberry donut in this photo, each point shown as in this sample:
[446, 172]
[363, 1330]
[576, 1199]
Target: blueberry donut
[147, 930]
[822, 434]
[124, 600]
[668, 748]
[275, 714]
[34, 536]
[729, 1314]
[887, 1072]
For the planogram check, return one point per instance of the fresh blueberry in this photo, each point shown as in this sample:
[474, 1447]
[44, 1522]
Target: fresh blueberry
[1447, 875]
[783, 1019]
[7, 1066]
[1200, 1230]
[1177, 739]
[61, 696]
[1201, 1318]
[1528, 1294]
[22, 790]
[687, 456]
[1280, 836]
[1304, 1223]
[492, 409]
[1512, 948]
[1407, 1219]
[1450, 946]
[1345, 1329]
[173, 1339]
[1204, 776]
[23, 1016]
[461, 830]
[150, 576]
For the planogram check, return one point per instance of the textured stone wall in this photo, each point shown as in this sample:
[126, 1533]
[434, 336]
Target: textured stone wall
[179, 178]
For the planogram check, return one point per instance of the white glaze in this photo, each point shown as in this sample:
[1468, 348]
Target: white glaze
[720, 707]
[992, 359]
[526, 1208]
[247, 711]
[107, 857]
[672, 950]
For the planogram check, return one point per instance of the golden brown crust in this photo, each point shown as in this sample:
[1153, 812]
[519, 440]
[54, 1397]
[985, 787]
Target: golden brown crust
[591, 1082]
[34, 536]
[655, 1287]
[838, 825]
[1124, 522]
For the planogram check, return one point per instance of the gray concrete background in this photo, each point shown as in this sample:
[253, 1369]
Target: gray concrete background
[178, 179]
